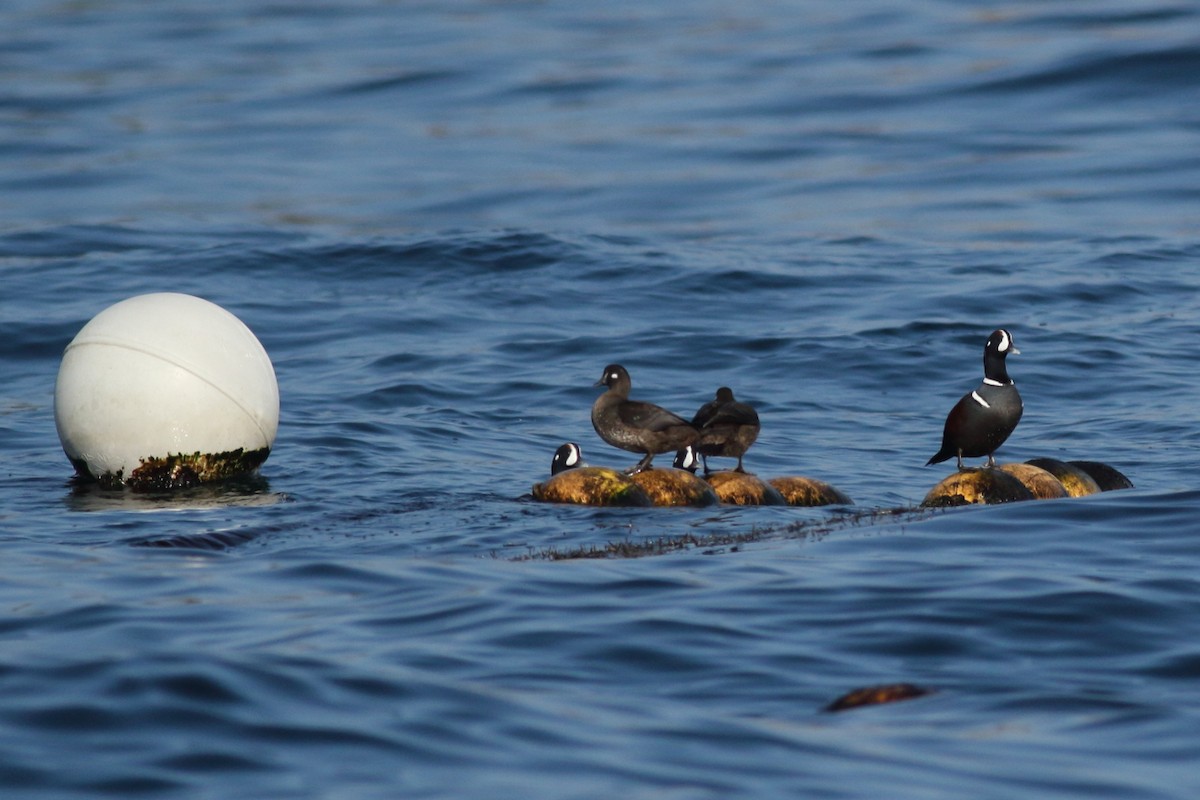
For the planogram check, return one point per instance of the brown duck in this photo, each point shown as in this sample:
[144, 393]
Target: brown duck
[727, 428]
[636, 426]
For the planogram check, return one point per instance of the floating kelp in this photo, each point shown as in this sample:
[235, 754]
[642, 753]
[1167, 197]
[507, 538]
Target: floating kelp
[878, 695]
[723, 542]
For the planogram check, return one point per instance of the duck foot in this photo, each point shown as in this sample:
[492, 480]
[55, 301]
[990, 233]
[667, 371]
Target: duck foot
[641, 466]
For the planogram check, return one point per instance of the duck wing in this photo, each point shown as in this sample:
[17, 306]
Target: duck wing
[706, 413]
[731, 413]
[648, 416]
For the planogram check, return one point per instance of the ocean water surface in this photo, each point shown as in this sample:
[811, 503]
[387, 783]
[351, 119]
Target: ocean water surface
[442, 221]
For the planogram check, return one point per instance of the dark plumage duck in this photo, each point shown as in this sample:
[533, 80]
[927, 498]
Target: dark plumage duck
[636, 426]
[727, 428]
[981, 421]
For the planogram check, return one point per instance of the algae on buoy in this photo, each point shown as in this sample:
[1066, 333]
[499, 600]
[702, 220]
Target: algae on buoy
[675, 487]
[1075, 480]
[986, 485]
[591, 486]
[1041, 483]
[800, 491]
[744, 489]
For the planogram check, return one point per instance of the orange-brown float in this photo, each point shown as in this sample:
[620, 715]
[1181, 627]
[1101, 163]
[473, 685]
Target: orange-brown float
[1076, 481]
[986, 485]
[675, 487]
[744, 489]
[591, 486]
[800, 491]
[1041, 483]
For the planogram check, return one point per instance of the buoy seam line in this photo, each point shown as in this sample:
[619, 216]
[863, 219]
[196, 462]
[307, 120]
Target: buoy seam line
[161, 355]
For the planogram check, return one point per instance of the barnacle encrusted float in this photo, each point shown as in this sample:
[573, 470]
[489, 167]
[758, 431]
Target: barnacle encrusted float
[165, 391]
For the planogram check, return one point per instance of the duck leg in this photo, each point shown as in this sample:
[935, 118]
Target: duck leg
[641, 466]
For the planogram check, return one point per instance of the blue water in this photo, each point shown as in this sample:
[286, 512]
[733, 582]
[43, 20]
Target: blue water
[442, 220]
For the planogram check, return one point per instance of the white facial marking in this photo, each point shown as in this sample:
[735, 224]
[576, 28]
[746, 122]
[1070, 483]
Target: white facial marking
[572, 457]
[975, 396]
[1005, 342]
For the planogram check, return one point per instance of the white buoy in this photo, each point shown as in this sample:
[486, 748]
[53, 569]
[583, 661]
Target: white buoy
[164, 391]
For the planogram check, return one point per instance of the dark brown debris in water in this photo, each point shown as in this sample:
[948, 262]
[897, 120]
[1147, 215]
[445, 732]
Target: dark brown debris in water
[877, 695]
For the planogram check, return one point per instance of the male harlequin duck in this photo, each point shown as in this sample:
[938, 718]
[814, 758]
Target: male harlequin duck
[727, 428]
[636, 426]
[981, 421]
[687, 459]
[567, 456]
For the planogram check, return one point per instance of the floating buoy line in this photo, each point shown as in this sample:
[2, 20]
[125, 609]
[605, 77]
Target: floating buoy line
[1037, 479]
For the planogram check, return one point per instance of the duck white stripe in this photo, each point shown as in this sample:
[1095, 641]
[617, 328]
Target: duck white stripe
[980, 400]
[994, 382]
